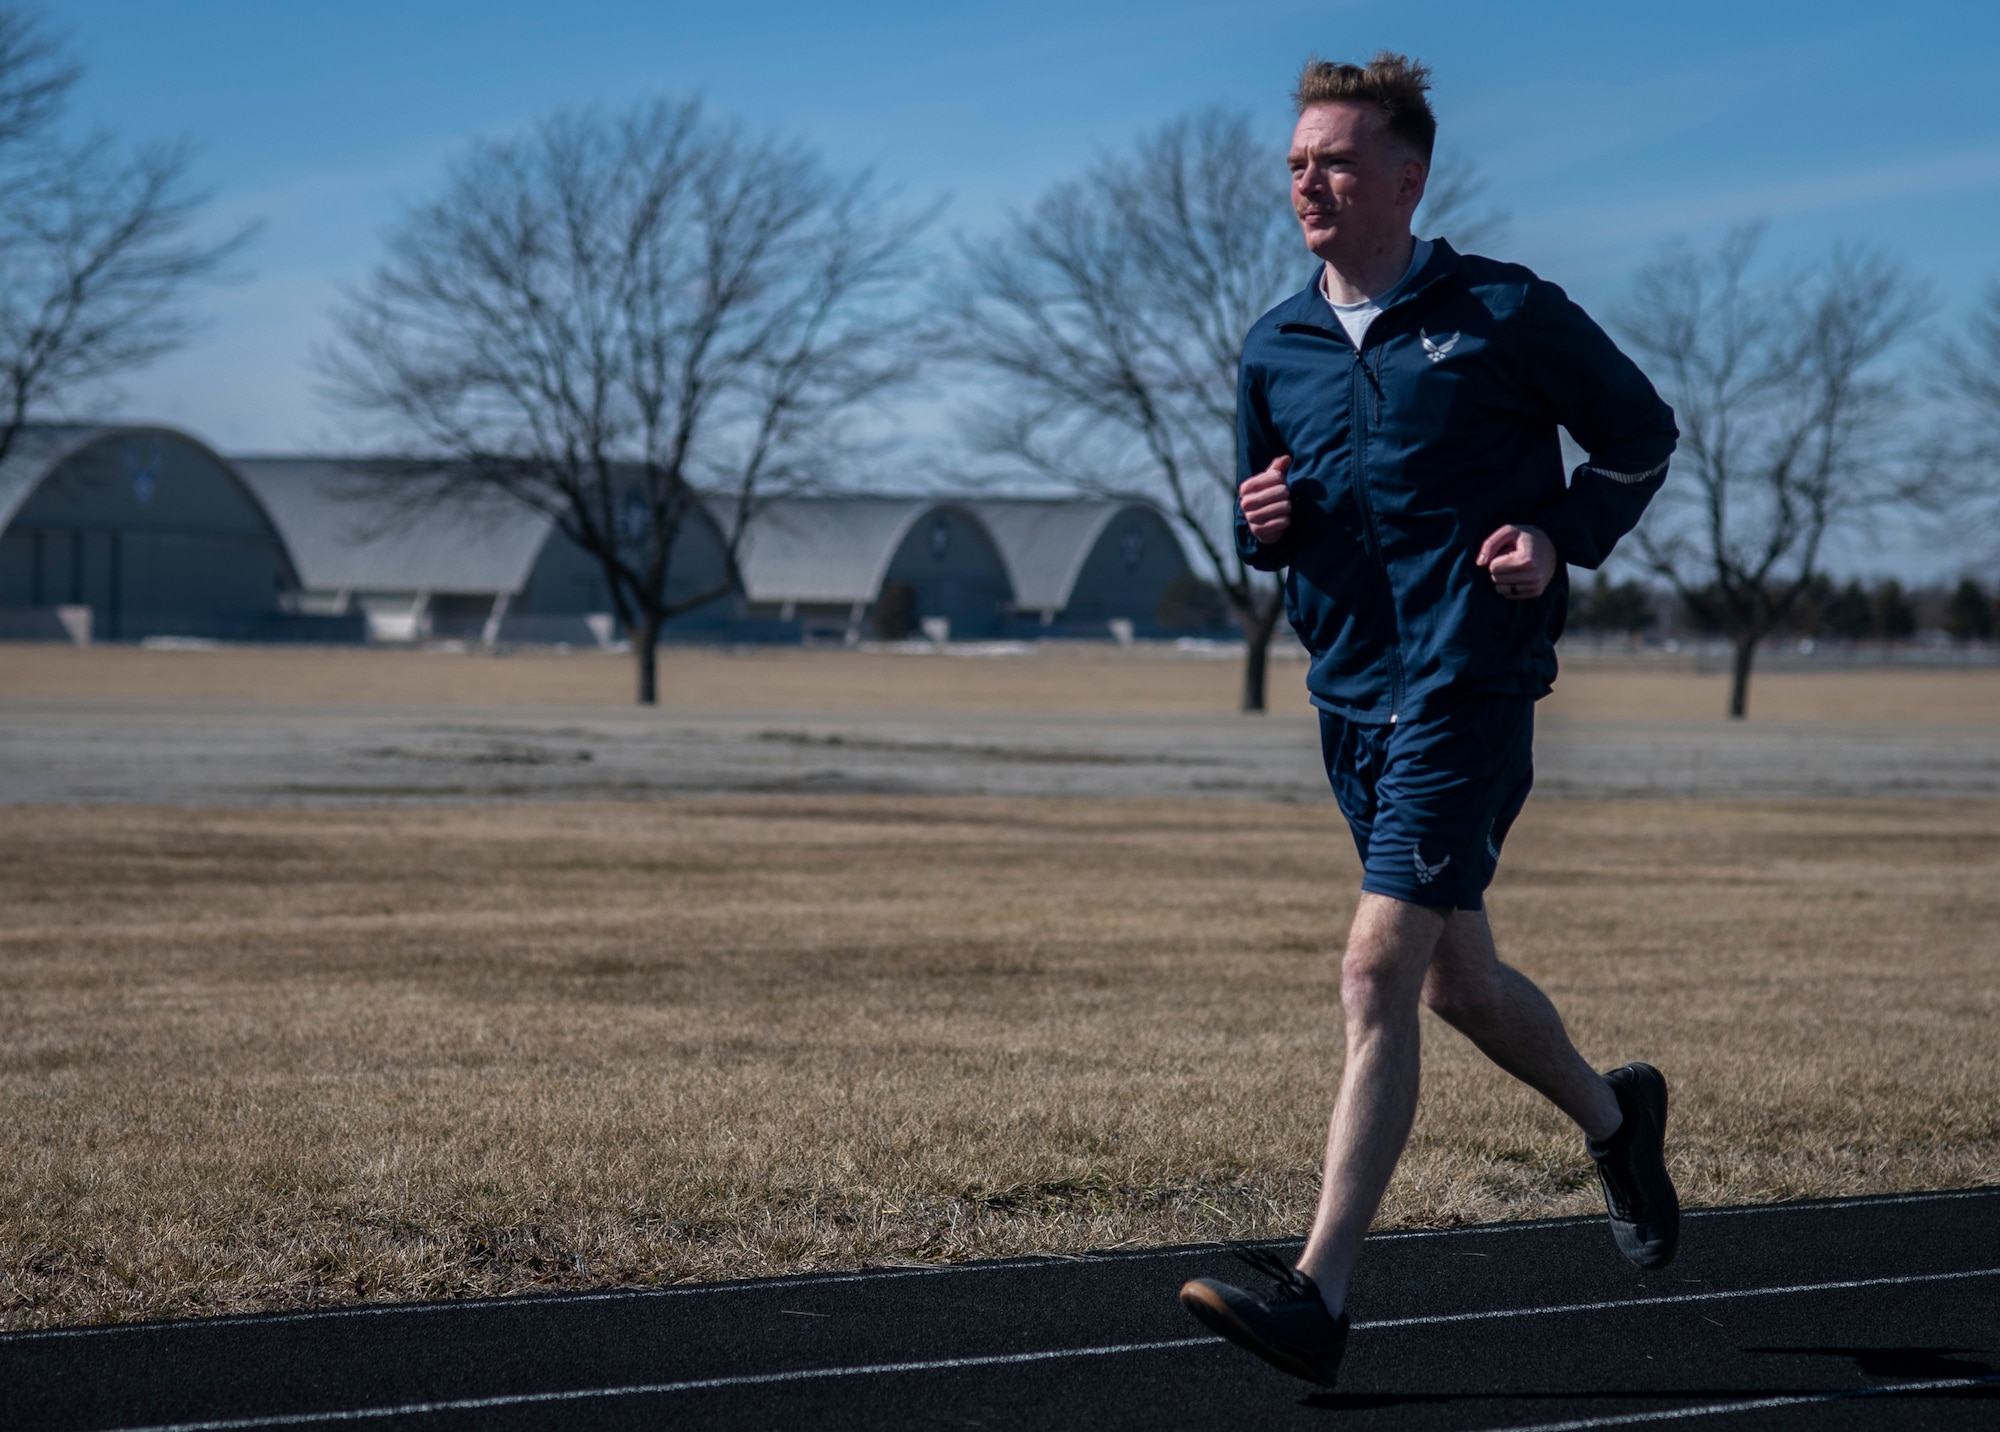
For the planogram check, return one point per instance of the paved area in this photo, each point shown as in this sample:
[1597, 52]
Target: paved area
[1868, 1313]
[233, 753]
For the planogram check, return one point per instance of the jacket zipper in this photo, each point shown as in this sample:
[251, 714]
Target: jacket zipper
[1362, 405]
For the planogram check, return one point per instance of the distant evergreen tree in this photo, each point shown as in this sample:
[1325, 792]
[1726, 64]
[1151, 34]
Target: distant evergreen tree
[1627, 607]
[1969, 616]
[1703, 608]
[1809, 617]
[1895, 618]
[1579, 604]
[1848, 612]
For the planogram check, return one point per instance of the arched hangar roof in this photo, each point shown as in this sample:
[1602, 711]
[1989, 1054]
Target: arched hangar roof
[1046, 541]
[40, 448]
[828, 549]
[347, 534]
[37, 452]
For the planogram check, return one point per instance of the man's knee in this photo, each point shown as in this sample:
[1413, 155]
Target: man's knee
[1372, 980]
[1382, 972]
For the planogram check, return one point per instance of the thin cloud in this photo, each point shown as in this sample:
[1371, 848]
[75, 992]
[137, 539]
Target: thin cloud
[1819, 194]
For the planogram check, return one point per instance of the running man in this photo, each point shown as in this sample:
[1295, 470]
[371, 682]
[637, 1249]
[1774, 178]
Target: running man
[1397, 453]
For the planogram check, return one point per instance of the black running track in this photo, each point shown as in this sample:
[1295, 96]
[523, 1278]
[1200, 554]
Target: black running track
[1858, 1313]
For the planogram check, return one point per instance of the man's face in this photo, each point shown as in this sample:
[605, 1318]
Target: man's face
[1354, 187]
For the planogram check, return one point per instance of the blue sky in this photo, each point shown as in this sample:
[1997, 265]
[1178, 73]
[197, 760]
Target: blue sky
[1603, 129]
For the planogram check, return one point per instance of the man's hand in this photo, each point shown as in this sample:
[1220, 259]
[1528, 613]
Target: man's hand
[1267, 502]
[1521, 561]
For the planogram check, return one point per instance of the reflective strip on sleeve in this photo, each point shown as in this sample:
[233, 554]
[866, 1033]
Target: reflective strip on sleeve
[1630, 479]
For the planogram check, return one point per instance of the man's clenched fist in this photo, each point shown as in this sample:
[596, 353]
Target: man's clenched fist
[1520, 560]
[1267, 502]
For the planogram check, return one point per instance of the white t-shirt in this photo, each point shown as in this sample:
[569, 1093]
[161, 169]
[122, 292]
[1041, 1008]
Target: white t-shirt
[1355, 317]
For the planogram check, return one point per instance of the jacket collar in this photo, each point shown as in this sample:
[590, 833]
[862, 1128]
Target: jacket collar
[1308, 305]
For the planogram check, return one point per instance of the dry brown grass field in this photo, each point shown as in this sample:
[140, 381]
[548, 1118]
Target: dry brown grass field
[1056, 679]
[271, 1059]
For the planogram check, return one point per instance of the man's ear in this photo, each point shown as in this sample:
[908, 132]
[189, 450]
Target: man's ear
[1416, 177]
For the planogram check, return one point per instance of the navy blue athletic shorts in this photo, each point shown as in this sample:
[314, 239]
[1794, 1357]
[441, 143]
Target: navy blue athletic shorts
[1430, 800]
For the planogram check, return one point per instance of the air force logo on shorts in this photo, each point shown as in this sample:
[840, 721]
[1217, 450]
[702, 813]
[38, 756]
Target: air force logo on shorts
[1430, 800]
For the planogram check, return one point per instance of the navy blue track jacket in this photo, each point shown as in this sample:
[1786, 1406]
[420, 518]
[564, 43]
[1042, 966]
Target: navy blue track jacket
[1408, 453]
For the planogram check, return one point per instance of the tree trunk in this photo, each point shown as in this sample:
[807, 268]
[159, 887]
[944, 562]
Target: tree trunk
[1745, 651]
[646, 646]
[1256, 666]
[1258, 623]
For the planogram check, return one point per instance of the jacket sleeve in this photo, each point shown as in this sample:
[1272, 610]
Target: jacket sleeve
[1613, 412]
[1257, 445]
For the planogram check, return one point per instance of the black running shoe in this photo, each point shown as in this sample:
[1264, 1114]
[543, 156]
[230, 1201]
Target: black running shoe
[1632, 1166]
[1292, 1331]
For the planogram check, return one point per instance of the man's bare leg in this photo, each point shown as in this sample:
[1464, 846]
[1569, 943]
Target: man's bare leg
[1499, 1009]
[1381, 978]
[1515, 1026]
[1398, 953]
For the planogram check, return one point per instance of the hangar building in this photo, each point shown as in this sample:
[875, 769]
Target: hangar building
[846, 568]
[120, 533]
[483, 569]
[1079, 566]
[125, 532]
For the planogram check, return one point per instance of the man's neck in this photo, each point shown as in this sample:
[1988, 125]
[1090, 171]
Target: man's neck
[1358, 279]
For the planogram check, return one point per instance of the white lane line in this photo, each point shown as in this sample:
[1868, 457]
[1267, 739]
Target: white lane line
[475, 1305]
[1875, 1200]
[947, 1364]
[873, 1275]
[1753, 1404]
[1720, 1295]
[648, 1389]
[1824, 1205]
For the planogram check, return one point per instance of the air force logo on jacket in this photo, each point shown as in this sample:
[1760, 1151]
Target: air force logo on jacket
[1438, 349]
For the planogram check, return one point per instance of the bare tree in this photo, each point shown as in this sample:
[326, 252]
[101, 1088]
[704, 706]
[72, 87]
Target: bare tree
[1973, 367]
[1789, 419]
[1454, 207]
[1113, 312]
[618, 317]
[97, 244]
[35, 77]
[1967, 378]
